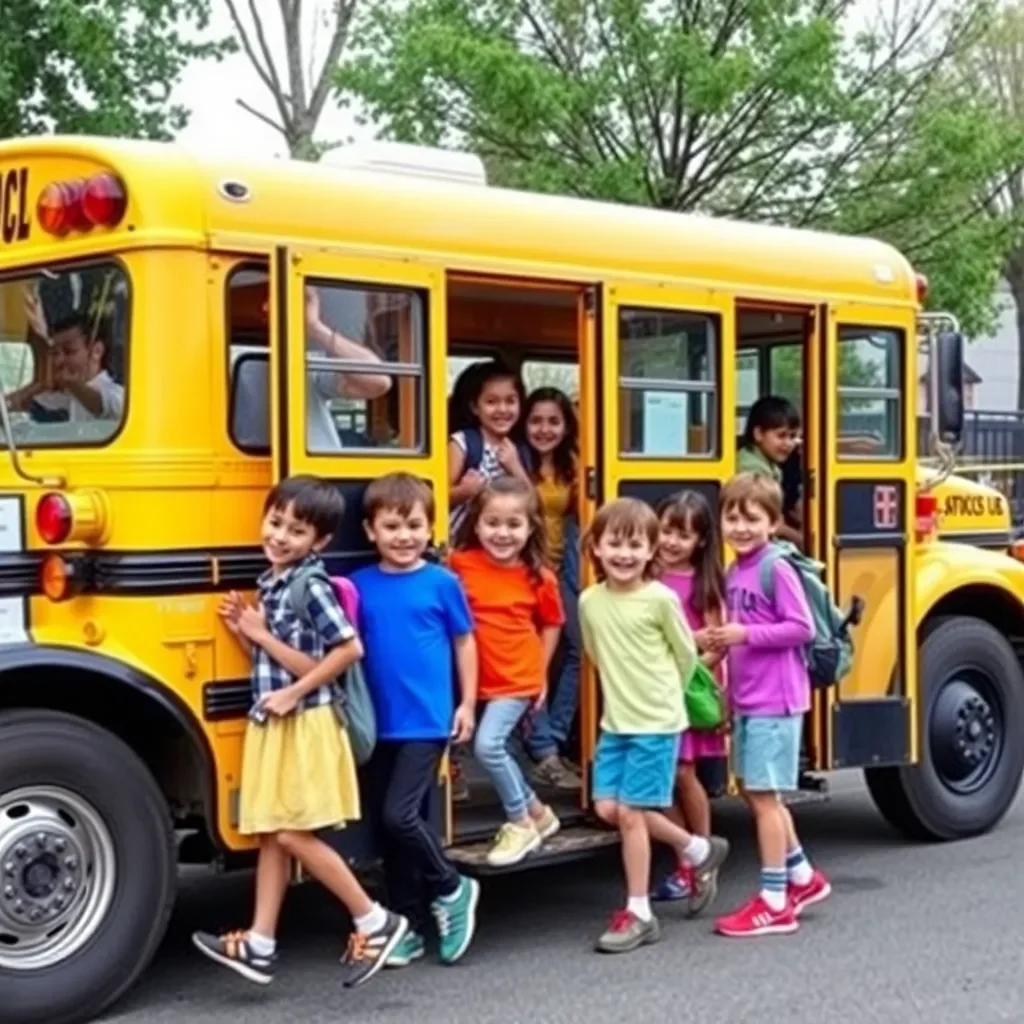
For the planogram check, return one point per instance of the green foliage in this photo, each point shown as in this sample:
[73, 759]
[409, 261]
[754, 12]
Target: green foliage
[788, 111]
[104, 67]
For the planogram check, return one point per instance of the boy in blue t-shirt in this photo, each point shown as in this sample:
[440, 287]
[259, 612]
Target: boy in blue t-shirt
[414, 622]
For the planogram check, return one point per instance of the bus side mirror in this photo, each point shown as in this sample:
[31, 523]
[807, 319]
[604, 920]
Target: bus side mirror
[249, 409]
[948, 387]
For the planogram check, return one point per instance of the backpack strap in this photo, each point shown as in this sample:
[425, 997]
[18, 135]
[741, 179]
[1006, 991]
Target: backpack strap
[298, 589]
[474, 448]
[767, 568]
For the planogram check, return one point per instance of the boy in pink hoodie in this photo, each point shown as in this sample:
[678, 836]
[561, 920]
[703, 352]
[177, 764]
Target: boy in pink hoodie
[770, 692]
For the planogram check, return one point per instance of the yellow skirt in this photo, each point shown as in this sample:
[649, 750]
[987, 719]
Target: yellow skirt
[298, 774]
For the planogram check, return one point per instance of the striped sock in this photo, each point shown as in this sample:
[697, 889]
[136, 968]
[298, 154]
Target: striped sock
[773, 887]
[798, 867]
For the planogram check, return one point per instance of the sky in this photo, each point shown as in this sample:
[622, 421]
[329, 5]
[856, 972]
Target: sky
[210, 90]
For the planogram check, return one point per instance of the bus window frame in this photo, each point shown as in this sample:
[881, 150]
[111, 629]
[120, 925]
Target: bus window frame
[711, 388]
[886, 394]
[261, 266]
[77, 264]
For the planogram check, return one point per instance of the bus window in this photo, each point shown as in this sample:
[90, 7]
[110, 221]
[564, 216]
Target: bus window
[869, 408]
[365, 362]
[64, 337]
[748, 384]
[786, 373]
[552, 373]
[667, 383]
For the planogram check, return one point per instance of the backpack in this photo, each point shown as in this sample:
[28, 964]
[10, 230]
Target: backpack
[475, 450]
[829, 655]
[351, 696]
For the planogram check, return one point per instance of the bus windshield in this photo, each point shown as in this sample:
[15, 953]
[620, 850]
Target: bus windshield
[63, 348]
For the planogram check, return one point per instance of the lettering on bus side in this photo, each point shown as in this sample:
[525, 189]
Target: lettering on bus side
[973, 505]
[14, 222]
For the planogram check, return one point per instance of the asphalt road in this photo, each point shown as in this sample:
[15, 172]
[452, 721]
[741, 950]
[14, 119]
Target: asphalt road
[913, 933]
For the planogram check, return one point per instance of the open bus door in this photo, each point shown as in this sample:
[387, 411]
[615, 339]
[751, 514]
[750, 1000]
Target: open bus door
[859, 450]
[353, 419]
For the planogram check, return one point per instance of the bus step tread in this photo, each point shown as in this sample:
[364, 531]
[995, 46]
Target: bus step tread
[570, 843]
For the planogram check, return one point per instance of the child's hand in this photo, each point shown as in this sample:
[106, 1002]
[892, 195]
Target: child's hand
[281, 702]
[463, 725]
[702, 638]
[730, 635]
[508, 456]
[252, 622]
[230, 610]
[474, 481]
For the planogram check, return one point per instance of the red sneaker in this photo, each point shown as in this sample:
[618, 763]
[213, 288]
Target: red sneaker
[757, 918]
[803, 896]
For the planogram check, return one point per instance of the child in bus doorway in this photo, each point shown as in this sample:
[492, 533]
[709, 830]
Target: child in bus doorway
[423, 604]
[770, 692]
[298, 772]
[551, 433]
[634, 631]
[688, 558]
[769, 439]
[517, 614]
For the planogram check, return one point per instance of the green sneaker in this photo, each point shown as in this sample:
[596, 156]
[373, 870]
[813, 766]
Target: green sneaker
[412, 947]
[456, 920]
[627, 932]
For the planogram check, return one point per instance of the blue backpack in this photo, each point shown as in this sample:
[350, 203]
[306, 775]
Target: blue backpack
[829, 655]
[350, 695]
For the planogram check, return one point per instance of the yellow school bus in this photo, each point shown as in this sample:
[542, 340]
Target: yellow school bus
[158, 314]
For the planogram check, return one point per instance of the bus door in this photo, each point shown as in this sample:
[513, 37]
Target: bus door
[357, 380]
[665, 413]
[860, 451]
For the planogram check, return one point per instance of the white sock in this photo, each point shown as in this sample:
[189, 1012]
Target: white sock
[775, 899]
[261, 945]
[372, 921]
[798, 867]
[640, 906]
[697, 851]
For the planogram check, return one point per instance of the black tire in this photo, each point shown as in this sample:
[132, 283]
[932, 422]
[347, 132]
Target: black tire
[43, 748]
[965, 780]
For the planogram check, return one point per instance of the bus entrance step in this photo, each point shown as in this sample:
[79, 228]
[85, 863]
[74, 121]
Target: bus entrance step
[572, 843]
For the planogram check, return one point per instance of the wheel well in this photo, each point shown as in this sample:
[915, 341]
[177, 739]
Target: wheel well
[990, 604]
[159, 738]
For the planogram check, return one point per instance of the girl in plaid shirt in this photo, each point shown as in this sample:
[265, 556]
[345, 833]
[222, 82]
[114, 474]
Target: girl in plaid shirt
[298, 772]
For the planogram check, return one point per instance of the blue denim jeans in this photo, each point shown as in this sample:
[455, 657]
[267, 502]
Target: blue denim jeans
[550, 727]
[496, 725]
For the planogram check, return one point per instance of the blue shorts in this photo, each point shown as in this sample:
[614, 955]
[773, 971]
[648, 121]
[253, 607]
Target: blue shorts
[766, 752]
[636, 770]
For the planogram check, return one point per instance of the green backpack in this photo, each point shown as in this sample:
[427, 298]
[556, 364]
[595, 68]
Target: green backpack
[829, 655]
[705, 703]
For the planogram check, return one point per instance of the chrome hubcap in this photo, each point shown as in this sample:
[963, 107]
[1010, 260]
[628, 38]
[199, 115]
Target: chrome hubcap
[57, 872]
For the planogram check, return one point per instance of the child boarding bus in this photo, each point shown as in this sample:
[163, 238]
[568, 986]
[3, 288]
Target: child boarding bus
[176, 333]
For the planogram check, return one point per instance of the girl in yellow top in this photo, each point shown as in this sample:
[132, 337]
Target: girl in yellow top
[552, 436]
[635, 633]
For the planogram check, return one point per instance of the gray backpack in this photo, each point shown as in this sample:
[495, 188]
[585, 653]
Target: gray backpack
[351, 695]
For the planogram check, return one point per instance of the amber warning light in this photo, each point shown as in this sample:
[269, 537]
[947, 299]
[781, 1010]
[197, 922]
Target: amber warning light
[82, 204]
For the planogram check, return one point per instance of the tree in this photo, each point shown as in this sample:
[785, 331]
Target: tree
[779, 110]
[299, 91]
[996, 68]
[106, 67]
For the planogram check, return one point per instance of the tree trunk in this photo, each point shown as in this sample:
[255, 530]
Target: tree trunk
[1015, 278]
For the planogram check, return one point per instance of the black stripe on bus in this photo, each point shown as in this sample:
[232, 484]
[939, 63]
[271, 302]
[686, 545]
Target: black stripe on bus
[229, 698]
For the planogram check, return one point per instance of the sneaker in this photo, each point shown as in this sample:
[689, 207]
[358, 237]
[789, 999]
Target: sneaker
[456, 920]
[704, 884]
[548, 824]
[552, 772]
[412, 947]
[234, 951]
[512, 844]
[756, 918]
[676, 886]
[367, 954]
[815, 891]
[627, 932]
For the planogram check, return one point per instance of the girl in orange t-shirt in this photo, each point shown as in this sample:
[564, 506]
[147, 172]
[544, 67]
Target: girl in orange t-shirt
[517, 617]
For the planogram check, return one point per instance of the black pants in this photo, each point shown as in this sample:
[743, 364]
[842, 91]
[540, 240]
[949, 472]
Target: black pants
[416, 870]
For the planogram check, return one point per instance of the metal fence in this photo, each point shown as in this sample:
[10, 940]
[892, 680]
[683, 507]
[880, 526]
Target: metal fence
[992, 453]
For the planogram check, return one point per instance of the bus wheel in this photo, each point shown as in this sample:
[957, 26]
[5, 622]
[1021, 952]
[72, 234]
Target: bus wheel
[972, 741]
[87, 867]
